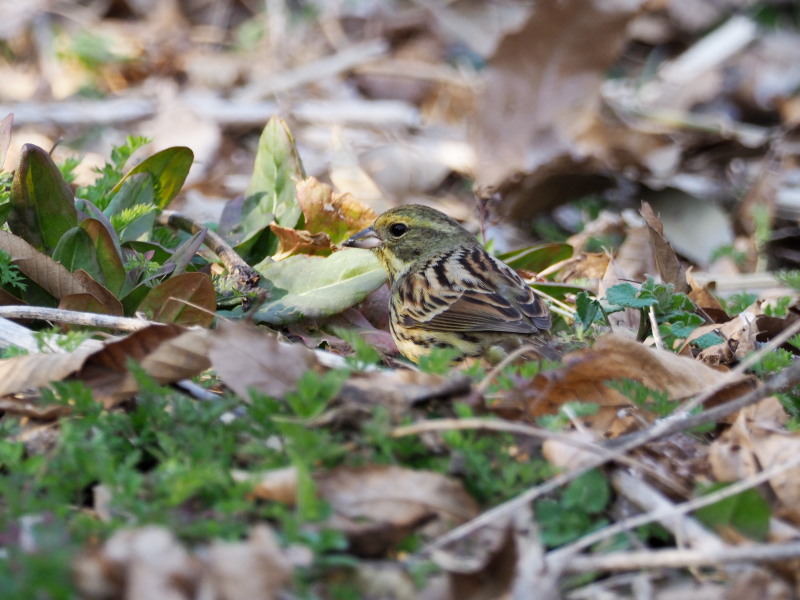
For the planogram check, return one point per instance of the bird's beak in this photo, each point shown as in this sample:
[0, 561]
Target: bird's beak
[366, 239]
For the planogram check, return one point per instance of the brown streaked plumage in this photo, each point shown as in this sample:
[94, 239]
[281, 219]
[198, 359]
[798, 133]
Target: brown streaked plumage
[446, 290]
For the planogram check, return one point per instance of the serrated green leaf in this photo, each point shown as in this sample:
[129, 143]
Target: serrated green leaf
[587, 309]
[42, 205]
[168, 170]
[628, 296]
[310, 286]
[707, 340]
[588, 492]
[537, 258]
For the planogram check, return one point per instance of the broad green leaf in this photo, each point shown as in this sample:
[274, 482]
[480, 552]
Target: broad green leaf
[184, 253]
[5, 136]
[310, 286]
[747, 512]
[112, 271]
[168, 169]
[164, 303]
[270, 195]
[76, 251]
[43, 208]
[537, 258]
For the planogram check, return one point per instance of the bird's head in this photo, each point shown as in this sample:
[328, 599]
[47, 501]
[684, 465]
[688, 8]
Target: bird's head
[408, 235]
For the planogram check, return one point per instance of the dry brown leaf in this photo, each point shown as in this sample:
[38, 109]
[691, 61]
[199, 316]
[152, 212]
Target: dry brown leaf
[703, 298]
[756, 441]
[165, 355]
[585, 373]
[32, 371]
[635, 257]
[338, 215]
[377, 506]
[256, 569]
[669, 265]
[138, 564]
[248, 358]
[542, 86]
[299, 241]
[166, 352]
[150, 563]
[49, 274]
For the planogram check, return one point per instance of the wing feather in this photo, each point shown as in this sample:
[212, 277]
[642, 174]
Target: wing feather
[472, 292]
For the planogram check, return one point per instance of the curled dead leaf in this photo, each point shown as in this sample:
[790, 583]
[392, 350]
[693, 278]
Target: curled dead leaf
[586, 372]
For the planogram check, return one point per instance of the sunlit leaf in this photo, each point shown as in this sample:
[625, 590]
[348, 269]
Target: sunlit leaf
[43, 208]
[326, 211]
[308, 286]
[168, 170]
[270, 195]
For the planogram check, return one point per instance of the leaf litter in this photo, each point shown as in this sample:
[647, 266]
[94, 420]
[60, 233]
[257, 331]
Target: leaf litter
[446, 513]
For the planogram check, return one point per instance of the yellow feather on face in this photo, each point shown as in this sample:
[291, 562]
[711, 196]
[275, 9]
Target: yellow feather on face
[446, 290]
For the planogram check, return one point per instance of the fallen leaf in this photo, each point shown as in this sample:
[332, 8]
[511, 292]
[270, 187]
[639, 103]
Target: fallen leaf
[542, 87]
[299, 241]
[669, 265]
[185, 299]
[586, 372]
[376, 506]
[255, 569]
[326, 211]
[248, 358]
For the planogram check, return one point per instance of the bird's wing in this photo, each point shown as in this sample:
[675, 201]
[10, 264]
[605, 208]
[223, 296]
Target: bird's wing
[476, 293]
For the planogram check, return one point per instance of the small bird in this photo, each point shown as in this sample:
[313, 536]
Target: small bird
[446, 290]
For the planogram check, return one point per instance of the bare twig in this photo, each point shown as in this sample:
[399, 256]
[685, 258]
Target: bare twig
[247, 277]
[654, 559]
[73, 317]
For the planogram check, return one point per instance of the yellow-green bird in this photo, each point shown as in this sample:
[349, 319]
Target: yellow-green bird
[446, 290]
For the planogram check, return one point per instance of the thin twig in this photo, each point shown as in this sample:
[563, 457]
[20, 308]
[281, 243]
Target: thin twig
[73, 317]
[654, 326]
[655, 559]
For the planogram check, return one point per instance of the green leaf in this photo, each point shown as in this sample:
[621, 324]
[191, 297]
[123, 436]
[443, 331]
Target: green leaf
[588, 492]
[746, 512]
[43, 208]
[310, 286]
[628, 296]
[112, 273]
[76, 251]
[537, 258]
[587, 309]
[164, 302]
[168, 169]
[270, 195]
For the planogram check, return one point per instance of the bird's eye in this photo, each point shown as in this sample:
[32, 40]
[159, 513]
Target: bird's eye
[398, 229]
